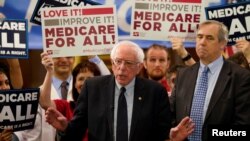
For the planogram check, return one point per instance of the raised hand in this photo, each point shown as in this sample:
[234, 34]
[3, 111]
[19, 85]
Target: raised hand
[47, 62]
[178, 47]
[244, 46]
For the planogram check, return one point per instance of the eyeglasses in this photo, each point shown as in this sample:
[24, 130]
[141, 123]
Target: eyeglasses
[127, 63]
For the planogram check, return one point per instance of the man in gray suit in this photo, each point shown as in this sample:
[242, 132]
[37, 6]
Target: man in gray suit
[148, 116]
[227, 98]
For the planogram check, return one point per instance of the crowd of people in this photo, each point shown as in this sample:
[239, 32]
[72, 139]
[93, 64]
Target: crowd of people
[162, 101]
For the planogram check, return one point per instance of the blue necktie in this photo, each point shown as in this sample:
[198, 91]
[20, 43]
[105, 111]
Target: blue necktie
[198, 104]
[122, 117]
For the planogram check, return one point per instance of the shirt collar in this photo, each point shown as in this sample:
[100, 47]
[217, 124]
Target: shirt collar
[57, 82]
[130, 85]
[214, 66]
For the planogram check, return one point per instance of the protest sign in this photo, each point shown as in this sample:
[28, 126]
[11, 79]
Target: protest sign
[13, 39]
[25, 10]
[235, 16]
[162, 20]
[79, 31]
[36, 16]
[18, 108]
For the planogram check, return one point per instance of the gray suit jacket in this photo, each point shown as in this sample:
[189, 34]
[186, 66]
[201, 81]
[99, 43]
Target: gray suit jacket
[151, 119]
[230, 100]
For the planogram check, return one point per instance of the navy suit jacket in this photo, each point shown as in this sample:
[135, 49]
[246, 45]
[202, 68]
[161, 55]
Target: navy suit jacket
[151, 115]
[230, 100]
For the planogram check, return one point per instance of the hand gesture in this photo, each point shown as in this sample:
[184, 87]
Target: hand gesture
[178, 47]
[182, 130]
[6, 135]
[244, 46]
[47, 62]
[56, 119]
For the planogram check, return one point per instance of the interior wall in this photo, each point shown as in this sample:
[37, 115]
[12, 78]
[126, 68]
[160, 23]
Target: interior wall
[32, 69]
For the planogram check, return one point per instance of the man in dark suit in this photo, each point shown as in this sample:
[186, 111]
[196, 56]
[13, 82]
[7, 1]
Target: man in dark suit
[148, 116]
[227, 98]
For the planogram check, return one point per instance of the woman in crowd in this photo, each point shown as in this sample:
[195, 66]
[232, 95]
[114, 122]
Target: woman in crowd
[5, 135]
[240, 59]
[81, 72]
[9, 73]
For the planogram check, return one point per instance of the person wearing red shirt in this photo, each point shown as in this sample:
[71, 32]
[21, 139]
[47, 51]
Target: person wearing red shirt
[80, 73]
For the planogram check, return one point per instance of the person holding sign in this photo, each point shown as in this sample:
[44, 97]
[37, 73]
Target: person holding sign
[240, 59]
[241, 44]
[15, 81]
[244, 47]
[139, 111]
[6, 134]
[13, 72]
[42, 131]
[83, 71]
[178, 47]
[14, 69]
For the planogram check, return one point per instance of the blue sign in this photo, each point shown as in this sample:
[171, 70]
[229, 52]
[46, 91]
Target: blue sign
[13, 39]
[18, 108]
[235, 16]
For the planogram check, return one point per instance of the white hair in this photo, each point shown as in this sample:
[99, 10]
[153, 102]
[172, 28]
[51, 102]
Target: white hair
[137, 49]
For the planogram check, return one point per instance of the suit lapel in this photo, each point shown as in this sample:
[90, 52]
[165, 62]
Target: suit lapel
[191, 82]
[220, 86]
[109, 88]
[137, 104]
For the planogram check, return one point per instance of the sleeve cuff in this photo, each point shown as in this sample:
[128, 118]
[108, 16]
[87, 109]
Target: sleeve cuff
[95, 60]
[186, 58]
